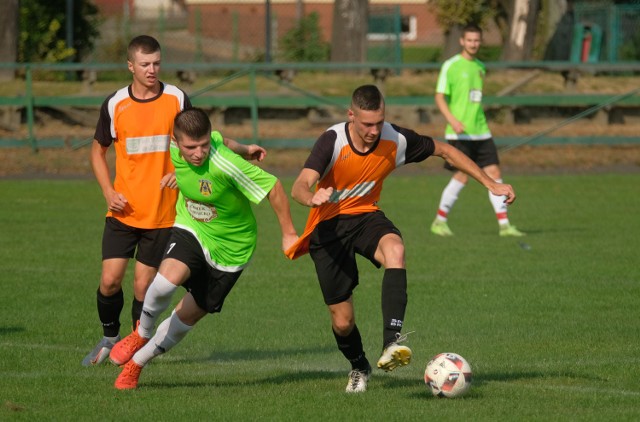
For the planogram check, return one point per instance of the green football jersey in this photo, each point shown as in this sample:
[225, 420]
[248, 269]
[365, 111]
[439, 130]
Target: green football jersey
[461, 80]
[214, 203]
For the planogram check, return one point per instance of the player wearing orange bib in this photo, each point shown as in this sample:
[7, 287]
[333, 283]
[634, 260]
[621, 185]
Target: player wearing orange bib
[138, 121]
[342, 181]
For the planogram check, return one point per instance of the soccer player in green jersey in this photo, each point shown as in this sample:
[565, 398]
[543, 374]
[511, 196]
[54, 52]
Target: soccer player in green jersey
[212, 240]
[459, 98]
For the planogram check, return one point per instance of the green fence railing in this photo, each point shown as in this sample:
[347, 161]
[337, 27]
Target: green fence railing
[254, 99]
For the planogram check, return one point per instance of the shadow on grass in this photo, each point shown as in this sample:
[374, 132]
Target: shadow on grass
[11, 330]
[476, 391]
[517, 376]
[284, 378]
[255, 354]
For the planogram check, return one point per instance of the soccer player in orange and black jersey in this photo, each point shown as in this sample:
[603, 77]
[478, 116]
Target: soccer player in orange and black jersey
[342, 181]
[138, 121]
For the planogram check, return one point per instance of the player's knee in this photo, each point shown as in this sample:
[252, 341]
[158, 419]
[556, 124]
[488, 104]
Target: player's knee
[394, 256]
[343, 325]
[110, 285]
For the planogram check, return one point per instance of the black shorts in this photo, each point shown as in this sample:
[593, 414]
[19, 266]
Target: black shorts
[333, 245]
[122, 241]
[483, 153]
[208, 286]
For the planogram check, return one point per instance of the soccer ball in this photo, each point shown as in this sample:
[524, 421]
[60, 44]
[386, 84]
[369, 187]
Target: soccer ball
[448, 375]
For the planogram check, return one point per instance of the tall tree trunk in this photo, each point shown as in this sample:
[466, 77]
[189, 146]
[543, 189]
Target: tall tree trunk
[8, 36]
[452, 42]
[522, 18]
[349, 35]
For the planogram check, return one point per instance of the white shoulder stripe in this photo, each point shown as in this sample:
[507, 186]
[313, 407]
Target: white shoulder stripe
[120, 95]
[232, 170]
[390, 134]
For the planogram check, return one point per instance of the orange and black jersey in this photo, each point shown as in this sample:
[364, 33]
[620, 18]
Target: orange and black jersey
[356, 177]
[140, 131]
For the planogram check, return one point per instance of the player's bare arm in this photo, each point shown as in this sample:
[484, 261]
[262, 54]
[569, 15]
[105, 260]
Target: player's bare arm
[115, 200]
[280, 204]
[464, 164]
[301, 190]
[248, 152]
[443, 106]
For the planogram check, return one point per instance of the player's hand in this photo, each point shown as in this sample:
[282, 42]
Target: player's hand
[168, 181]
[255, 152]
[503, 189]
[320, 197]
[116, 202]
[457, 126]
[288, 240]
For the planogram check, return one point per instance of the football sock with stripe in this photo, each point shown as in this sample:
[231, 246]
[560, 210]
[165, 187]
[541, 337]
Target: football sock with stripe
[500, 208]
[156, 301]
[109, 308]
[351, 348]
[170, 332]
[448, 198]
[136, 310]
[394, 302]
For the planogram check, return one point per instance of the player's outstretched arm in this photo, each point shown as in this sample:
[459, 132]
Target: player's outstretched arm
[248, 152]
[280, 204]
[464, 163]
[301, 190]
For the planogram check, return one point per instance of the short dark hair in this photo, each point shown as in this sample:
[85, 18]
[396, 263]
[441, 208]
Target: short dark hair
[144, 43]
[471, 27]
[367, 97]
[192, 122]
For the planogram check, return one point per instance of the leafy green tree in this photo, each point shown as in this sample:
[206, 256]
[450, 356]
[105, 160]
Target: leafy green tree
[42, 35]
[454, 15]
[304, 42]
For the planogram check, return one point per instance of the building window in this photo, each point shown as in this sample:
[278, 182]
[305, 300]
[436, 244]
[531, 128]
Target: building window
[383, 28]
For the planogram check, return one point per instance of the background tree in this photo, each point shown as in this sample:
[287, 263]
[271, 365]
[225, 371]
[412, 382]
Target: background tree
[517, 21]
[8, 35]
[42, 30]
[304, 42]
[349, 34]
[454, 15]
[518, 26]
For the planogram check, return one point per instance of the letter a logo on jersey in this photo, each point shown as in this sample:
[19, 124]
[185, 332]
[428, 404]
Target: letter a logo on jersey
[205, 187]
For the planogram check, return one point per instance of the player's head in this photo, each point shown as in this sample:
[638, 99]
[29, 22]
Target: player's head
[144, 44]
[470, 40]
[471, 27]
[366, 114]
[367, 97]
[143, 60]
[192, 132]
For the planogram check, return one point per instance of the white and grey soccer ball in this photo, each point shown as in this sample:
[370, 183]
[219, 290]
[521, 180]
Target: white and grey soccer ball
[448, 375]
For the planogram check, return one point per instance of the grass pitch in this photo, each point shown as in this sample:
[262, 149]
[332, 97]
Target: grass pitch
[549, 322]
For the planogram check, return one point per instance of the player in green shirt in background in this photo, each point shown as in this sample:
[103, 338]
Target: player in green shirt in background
[212, 241]
[459, 98]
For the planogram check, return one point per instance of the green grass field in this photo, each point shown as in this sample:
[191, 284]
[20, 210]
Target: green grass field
[551, 331]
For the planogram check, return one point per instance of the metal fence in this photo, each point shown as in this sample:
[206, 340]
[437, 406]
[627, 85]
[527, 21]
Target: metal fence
[616, 26]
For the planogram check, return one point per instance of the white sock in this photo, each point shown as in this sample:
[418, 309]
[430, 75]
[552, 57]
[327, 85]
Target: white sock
[499, 206]
[448, 198]
[156, 301]
[170, 332]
